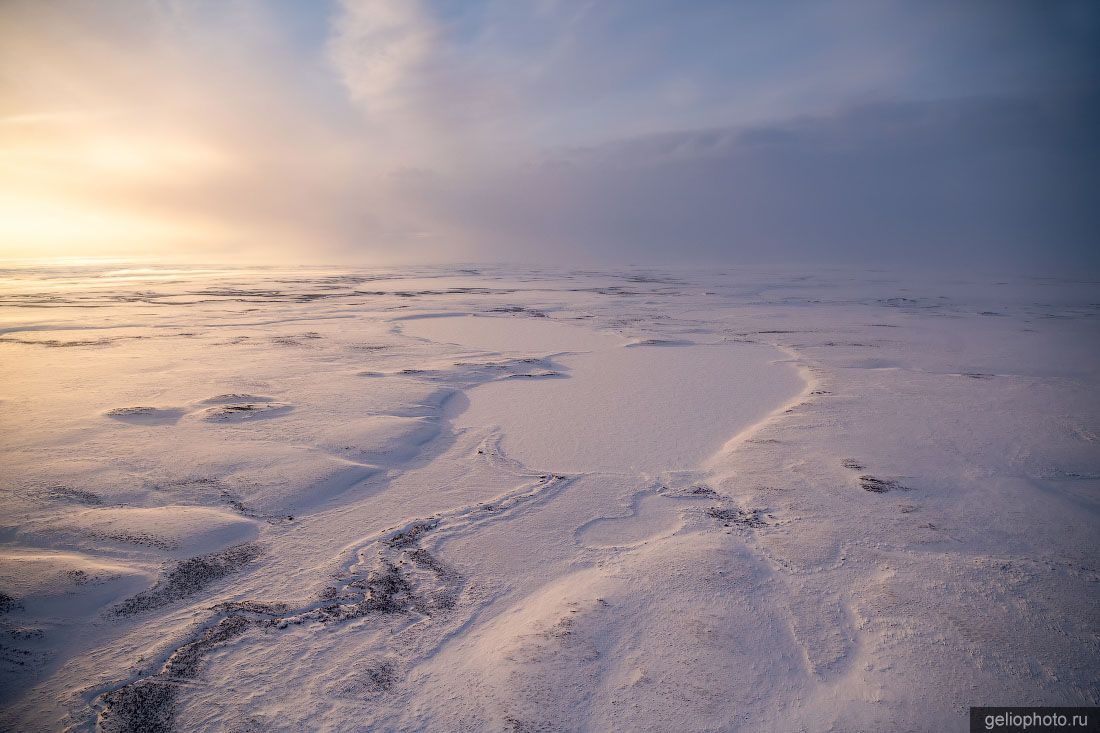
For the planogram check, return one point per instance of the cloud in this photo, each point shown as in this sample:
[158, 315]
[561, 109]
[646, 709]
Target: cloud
[376, 47]
[173, 130]
[383, 130]
[1003, 182]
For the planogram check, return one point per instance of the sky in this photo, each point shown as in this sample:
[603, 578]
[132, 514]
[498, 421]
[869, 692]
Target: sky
[957, 133]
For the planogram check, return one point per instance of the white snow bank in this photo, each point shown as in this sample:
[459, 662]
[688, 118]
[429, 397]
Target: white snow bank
[187, 530]
[53, 586]
[380, 439]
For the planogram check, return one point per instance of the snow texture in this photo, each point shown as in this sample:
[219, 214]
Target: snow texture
[520, 499]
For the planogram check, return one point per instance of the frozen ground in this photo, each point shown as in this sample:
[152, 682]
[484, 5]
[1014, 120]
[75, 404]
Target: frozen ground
[542, 500]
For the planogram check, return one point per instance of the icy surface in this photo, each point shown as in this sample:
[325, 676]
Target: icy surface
[644, 410]
[514, 499]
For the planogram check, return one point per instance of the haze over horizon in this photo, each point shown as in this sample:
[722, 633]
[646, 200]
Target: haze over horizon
[527, 365]
[378, 131]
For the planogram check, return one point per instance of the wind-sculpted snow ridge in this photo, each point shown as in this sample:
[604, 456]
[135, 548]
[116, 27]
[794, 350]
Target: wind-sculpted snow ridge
[391, 578]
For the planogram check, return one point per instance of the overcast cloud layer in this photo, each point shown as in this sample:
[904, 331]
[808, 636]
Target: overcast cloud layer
[953, 133]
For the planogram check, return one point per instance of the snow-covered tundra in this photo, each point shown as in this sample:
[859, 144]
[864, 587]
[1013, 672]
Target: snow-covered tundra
[534, 500]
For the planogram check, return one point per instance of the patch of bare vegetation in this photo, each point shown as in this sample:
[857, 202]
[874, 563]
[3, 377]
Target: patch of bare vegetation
[879, 485]
[79, 496]
[730, 517]
[190, 576]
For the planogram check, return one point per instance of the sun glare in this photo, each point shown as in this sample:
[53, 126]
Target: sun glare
[82, 195]
[31, 228]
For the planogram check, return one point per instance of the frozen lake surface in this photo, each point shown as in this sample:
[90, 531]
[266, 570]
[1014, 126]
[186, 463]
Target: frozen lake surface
[616, 406]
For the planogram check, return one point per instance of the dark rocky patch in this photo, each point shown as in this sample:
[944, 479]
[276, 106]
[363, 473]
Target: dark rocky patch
[260, 608]
[13, 657]
[381, 678]
[190, 576]
[138, 411]
[22, 633]
[143, 414]
[245, 410]
[80, 496]
[427, 560]
[235, 397]
[404, 579]
[137, 538]
[149, 704]
[412, 535]
[517, 309]
[878, 485]
[742, 517]
[56, 344]
[388, 590]
[897, 302]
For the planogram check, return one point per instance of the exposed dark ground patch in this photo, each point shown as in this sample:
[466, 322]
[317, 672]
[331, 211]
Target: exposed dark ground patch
[137, 411]
[14, 659]
[515, 725]
[78, 577]
[144, 539]
[402, 578]
[145, 415]
[379, 677]
[190, 576]
[149, 704]
[412, 535]
[235, 397]
[853, 464]
[78, 496]
[518, 309]
[730, 517]
[879, 485]
[22, 633]
[245, 411]
[58, 344]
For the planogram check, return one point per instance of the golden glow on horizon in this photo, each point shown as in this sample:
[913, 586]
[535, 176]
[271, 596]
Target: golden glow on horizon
[134, 132]
[184, 132]
[73, 191]
[58, 228]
